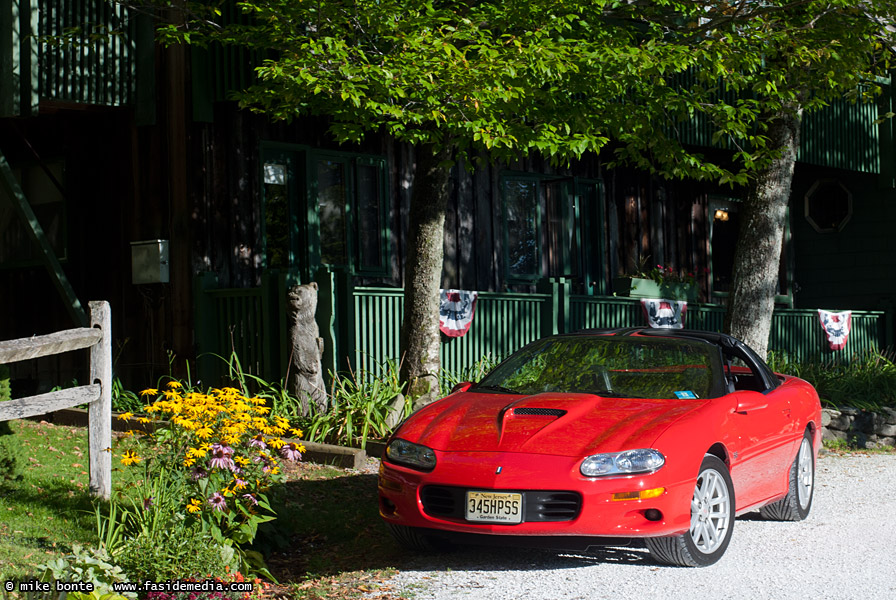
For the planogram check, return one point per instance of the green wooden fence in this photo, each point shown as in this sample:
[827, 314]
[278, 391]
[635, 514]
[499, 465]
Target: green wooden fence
[503, 323]
[796, 332]
[244, 322]
[360, 325]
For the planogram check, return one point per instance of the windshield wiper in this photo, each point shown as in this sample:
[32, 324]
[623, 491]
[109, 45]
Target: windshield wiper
[612, 395]
[495, 388]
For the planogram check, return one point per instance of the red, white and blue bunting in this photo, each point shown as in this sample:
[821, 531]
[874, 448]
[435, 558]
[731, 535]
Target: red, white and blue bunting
[456, 309]
[664, 314]
[836, 326]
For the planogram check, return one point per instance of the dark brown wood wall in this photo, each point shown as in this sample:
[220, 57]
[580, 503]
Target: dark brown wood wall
[656, 222]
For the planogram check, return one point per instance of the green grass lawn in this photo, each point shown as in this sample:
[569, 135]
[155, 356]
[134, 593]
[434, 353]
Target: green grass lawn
[49, 508]
[327, 542]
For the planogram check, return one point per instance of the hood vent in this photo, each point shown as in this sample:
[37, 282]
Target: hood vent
[538, 412]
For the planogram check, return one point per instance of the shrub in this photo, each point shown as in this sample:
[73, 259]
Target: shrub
[361, 406]
[866, 382]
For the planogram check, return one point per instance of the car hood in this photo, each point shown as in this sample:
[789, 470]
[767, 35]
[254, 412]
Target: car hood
[546, 423]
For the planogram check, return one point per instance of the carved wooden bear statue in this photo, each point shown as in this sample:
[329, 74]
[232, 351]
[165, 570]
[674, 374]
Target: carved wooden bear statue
[306, 348]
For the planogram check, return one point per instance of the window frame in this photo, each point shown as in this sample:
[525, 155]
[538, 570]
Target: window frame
[304, 236]
[510, 276]
[582, 255]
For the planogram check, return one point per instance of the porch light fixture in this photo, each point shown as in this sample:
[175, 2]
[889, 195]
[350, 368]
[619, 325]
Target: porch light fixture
[721, 214]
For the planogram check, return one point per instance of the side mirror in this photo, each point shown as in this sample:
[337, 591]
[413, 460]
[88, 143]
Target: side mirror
[463, 386]
[749, 402]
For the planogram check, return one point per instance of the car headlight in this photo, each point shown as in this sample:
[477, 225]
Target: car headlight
[645, 460]
[412, 455]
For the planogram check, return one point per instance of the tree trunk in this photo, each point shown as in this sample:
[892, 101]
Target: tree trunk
[422, 276]
[757, 254]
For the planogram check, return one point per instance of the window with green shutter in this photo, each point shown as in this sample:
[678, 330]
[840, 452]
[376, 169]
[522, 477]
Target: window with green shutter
[553, 227]
[324, 208]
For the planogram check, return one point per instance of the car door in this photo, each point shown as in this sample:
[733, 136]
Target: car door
[762, 445]
[762, 428]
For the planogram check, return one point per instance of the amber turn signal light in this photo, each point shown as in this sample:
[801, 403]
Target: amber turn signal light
[640, 495]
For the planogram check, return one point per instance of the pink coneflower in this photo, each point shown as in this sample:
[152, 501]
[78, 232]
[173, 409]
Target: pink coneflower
[217, 501]
[291, 452]
[147, 503]
[221, 457]
[226, 450]
[198, 473]
[258, 442]
[251, 499]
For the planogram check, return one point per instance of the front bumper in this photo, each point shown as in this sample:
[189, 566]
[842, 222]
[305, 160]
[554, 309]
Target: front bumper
[599, 514]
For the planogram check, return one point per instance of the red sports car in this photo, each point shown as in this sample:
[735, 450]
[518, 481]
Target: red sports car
[603, 438]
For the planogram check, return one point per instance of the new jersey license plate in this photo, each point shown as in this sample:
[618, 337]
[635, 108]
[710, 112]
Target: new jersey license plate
[494, 507]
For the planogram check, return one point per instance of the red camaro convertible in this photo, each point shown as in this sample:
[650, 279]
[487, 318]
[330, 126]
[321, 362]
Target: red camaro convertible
[602, 438]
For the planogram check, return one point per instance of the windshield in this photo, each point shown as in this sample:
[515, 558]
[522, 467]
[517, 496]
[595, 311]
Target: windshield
[610, 366]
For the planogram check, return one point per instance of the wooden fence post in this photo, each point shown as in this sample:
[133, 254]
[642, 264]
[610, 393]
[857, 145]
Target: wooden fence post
[99, 430]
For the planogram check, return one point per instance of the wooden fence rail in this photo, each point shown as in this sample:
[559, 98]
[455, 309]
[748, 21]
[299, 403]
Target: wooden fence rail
[97, 394]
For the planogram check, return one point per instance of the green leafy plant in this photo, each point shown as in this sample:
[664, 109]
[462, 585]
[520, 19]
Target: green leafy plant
[10, 449]
[89, 566]
[210, 466]
[361, 406]
[147, 531]
[123, 399]
[661, 274]
[276, 395]
[867, 381]
[473, 373]
[184, 549]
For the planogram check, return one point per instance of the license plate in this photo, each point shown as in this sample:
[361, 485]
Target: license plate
[494, 507]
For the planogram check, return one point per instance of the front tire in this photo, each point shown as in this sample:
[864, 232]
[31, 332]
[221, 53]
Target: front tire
[795, 506]
[712, 521]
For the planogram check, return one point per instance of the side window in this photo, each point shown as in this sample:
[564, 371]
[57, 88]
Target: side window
[278, 250]
[522, 228]
[332, 202]
[543, 221]
[324, 208]
[747, 372]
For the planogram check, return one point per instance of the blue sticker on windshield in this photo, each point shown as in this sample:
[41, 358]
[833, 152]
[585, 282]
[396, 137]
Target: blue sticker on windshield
[687, 395]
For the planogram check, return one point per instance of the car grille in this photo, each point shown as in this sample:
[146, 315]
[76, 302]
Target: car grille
[448, 503]
[539, 412]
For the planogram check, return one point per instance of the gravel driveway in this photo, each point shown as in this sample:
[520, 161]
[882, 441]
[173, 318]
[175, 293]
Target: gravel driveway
[846, 549]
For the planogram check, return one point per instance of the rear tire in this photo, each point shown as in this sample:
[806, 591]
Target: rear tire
[712, 521]
[795, 506]
[413, 538]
